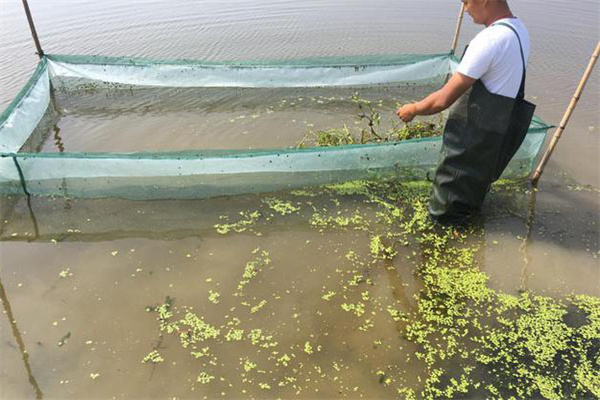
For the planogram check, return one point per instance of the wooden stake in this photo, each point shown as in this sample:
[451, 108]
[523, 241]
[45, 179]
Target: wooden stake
[566, 117]
[458, 25]
[40, 52]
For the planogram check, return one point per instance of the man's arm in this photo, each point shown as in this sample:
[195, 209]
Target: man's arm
[438, 101]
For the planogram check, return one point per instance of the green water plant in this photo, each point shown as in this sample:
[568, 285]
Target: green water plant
[247, 221]
[369, 129]
[467, 338]
[204, 378]
[153, 357]
[280, 206]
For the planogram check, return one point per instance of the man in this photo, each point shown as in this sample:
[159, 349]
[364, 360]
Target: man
[488, 122]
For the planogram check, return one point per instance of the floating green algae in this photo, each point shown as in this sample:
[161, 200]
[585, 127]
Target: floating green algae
[213, 297]
[280, 206]
[379, 250]
[153, 357]
[470, 339]
[204, 378]
[328, 296]
[253, 268]
[248, 220]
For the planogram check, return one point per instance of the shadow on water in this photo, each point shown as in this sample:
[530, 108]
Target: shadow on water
[525, 247]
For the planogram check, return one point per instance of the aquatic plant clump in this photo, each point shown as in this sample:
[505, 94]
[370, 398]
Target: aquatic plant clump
[153, 357]
[468, 339]
[248, 220]
[373, 132]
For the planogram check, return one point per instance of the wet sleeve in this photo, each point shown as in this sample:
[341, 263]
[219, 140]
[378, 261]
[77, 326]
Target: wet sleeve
[478, 58]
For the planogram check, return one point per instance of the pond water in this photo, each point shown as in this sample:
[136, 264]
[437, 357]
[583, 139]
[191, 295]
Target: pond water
[342, 282]
[303, 294]
[159, 119]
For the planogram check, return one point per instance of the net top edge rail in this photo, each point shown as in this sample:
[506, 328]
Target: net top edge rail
[217, 153]
[309, 62]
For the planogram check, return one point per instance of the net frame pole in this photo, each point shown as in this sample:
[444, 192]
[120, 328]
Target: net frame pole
[563, 124]
[457, 31]
[38, 46]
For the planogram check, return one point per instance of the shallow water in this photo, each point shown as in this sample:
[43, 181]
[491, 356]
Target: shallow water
[158, 119]
[98, 305]
[118, 257]
[125, 256]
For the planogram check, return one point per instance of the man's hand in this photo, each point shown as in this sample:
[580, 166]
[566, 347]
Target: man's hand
[407, 112]
[438, 101]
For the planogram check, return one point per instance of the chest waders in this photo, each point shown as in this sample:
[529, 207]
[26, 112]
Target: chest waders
[483, 132]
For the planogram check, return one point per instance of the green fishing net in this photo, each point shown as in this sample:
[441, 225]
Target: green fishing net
[197, 173]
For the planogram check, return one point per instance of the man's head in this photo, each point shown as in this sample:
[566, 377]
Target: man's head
[485, 12]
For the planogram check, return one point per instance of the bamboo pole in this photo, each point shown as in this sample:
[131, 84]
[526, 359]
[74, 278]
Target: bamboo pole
[40, 52]
[540, 168]
[458, 25]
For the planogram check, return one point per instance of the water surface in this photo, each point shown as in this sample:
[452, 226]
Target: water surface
[78, 275]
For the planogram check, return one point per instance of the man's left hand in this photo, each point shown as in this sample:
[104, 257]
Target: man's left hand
[407, 112]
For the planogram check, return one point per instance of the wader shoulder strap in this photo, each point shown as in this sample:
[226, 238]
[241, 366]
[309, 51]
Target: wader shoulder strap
[522, 88]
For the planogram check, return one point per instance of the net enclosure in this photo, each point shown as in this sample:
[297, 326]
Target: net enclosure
[204, 172]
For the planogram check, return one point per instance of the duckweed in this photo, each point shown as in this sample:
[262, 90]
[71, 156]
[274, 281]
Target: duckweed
[366, 325]
[248, 220]
[258, 306]
[303, 193]
[472, 340]
[249, 365]
[357, 221]
[284, 360]
[153, 357]
[234, 335]
[213, 297]
[280, 206]
[308, 349]
[379, 250]
[357, 309]
[204, 378]
[396, 315]
[65, 273]
[328, 296]
[253, 268]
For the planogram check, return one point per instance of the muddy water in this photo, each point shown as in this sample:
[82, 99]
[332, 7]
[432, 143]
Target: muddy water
[172, 249]
[81, 279]
[86, 333]
[157, 119]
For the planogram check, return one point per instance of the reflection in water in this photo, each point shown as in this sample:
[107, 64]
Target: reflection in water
[61, 149]
[524, 248]
[58, 140]
[24, 187]
[17, 335]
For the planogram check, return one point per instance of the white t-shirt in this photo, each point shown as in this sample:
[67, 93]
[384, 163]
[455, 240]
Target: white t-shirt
[494, 57]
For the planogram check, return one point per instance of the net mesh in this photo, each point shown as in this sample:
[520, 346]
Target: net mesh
[205, 172]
